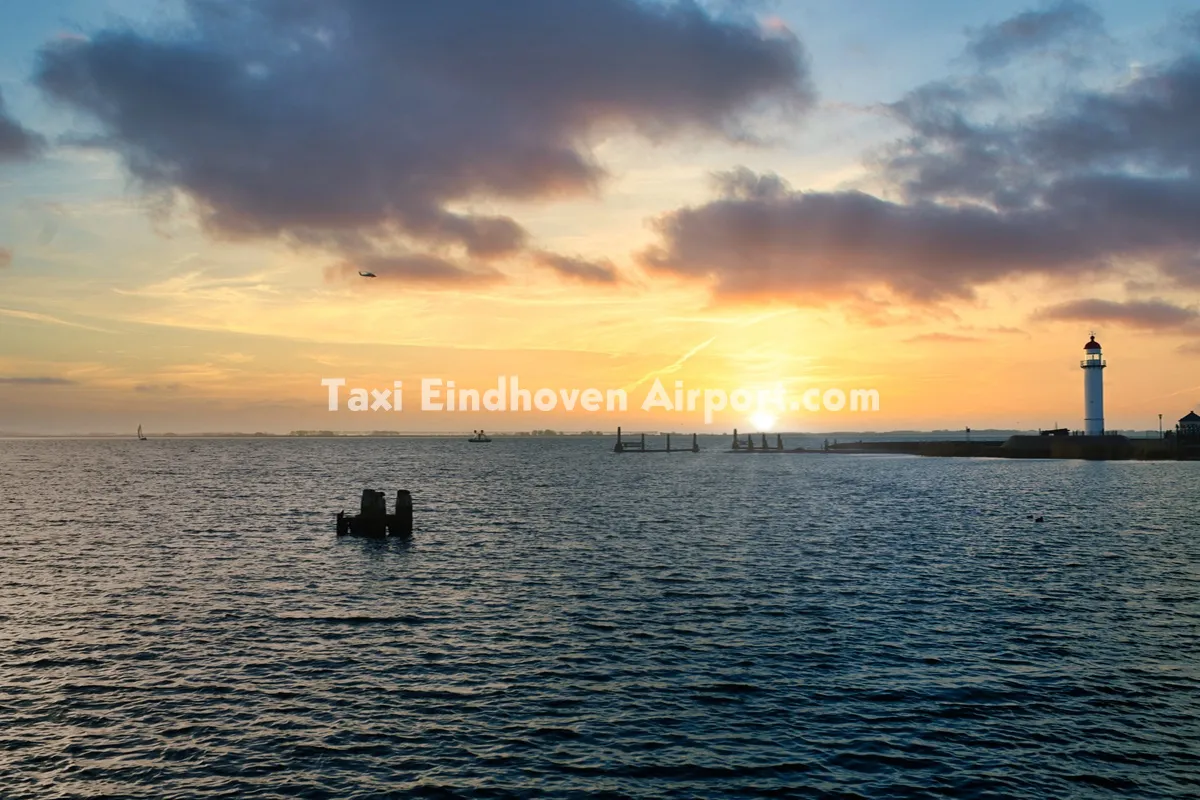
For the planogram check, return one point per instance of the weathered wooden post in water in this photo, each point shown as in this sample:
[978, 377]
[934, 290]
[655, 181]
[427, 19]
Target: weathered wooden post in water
[695, 444]
[402, 523]
[372, 519]
[372, 514]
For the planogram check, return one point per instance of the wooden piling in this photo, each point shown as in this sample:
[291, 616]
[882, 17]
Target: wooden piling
[402, 523]
[374, 521]
[640, 446]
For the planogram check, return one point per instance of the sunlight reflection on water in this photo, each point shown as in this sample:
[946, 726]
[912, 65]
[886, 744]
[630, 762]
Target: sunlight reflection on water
[178, 619]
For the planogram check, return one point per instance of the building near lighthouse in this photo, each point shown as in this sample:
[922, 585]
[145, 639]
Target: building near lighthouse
[1189, 426]
[1093, 365]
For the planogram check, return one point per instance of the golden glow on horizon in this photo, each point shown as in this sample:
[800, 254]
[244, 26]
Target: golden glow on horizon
[187, 333]
[763, 421]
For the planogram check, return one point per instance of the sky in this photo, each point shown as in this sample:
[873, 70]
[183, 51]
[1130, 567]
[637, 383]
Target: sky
[937, 201]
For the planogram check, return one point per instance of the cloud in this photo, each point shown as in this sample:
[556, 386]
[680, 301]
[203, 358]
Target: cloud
[809, 247]
[1147, 314]
[36, 381]
[418, 269]
[6, 257]
[944, 338]
[597, 272]
[1191, 24]
[158, 388]
[1143, 129]
[16, 142]
[1096, 182]
[338, 123]
[1033, 31]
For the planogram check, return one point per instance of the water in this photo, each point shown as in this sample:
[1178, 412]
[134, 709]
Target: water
[178, 620]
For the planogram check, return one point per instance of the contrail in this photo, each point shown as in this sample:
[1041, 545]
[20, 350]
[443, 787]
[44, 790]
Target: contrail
[679, 362]
[674, 367]
[33, 316]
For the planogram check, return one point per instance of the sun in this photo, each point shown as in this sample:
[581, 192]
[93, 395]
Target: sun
[762, 421]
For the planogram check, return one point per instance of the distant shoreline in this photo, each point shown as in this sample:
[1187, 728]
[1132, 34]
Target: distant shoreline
[940, 434]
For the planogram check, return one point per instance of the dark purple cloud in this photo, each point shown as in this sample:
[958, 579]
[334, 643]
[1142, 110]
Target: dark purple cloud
[1033, 31]
[1099, 179]
[1148, 314]
[158, 388]
[17, 143]
[330, 121]
[579, 269]
[36, 381]
[813, 246]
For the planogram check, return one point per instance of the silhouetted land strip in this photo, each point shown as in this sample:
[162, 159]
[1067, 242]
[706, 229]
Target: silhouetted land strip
[1091, 448]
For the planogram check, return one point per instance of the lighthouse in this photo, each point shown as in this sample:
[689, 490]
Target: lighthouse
[1093, 388]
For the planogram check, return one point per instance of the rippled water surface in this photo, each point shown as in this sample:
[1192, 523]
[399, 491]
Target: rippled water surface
[178, 619]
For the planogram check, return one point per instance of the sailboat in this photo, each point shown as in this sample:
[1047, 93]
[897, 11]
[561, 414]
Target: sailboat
[141, 438]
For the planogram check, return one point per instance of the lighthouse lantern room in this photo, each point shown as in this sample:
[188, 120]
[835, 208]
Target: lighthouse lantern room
[1093, 388]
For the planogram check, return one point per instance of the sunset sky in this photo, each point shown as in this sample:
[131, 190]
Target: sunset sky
[937, 200]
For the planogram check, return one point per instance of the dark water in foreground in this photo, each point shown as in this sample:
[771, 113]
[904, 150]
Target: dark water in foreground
[178, 620]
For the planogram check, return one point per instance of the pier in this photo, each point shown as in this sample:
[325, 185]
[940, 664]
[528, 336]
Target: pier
[639, 445]
[1054, 444]
[1182, 445]
[749, 447]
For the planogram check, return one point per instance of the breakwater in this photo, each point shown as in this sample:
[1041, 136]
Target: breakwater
[1092, 448]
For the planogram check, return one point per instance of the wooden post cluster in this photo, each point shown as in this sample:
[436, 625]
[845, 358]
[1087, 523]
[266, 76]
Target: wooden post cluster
[373, 520]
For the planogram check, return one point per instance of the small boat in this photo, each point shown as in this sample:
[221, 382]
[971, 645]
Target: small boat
[479, 436]
[141, 438]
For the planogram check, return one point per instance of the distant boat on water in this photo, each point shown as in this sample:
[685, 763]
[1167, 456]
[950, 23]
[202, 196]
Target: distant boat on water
[479, 436]
[141, 438]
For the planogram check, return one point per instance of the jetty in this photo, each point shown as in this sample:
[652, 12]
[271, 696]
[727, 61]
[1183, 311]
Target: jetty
[1058, 443]
[749, 447]
[638, 445]
[1103, 447]
[372, 519]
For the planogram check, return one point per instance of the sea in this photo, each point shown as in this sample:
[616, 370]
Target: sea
[178, 619]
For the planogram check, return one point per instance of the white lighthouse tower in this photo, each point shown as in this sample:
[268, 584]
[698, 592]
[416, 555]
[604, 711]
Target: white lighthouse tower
[1093, 388]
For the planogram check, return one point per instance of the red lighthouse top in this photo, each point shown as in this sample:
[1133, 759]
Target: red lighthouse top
[1092, 344]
